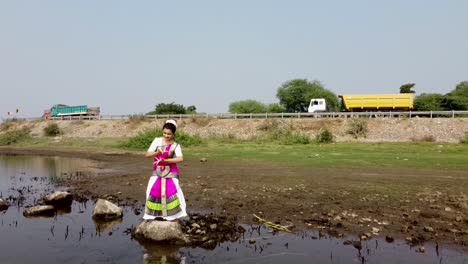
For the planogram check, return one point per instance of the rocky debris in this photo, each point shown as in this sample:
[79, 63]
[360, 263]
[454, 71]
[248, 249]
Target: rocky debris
[3, 205]
[158, 231]
[58, 199]
[106, 210]
[40, 210]
[199, 230]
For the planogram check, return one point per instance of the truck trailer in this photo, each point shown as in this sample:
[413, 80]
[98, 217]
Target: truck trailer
[367, 102]
[61, 110]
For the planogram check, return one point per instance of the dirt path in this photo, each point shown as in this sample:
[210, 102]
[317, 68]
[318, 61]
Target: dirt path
[416, 205]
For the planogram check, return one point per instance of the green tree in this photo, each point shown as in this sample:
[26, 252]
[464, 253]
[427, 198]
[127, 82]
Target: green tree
[429, 102]
[458, 98]
[406, 88]
[191, 109]
[295, 95]
[171, 108]
[275, 108]
[246, 107]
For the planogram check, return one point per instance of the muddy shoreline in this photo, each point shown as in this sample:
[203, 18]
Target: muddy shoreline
[323, 199]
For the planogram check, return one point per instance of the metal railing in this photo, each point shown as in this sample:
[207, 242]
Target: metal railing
[371, 114]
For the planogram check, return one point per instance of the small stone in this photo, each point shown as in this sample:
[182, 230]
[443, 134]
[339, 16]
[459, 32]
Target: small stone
[195, 225]
[213, 227]
[458, 218]
[428, 229]
[421, 249]
[252, 241]
[375, 230]
[448, 209]
[389, 239]
[203, 160]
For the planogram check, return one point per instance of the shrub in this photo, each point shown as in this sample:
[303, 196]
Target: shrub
[13, 137]
[52, 130]
[187, 140]
[324, 136]
[358, 128]
[143, 139]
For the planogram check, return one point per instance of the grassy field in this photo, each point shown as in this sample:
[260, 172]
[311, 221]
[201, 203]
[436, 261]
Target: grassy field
[427, 155]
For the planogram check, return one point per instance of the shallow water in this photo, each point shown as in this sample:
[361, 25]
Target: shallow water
[73, 237]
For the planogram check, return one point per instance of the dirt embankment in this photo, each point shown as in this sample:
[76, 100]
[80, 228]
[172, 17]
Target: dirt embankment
[378, 129]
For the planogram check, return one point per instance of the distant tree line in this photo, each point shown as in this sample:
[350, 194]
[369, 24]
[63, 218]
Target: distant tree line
[457, 99]
[295, 95]
[172, 108]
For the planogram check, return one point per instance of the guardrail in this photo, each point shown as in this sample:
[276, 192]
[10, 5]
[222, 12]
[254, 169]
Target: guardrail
[372, 114]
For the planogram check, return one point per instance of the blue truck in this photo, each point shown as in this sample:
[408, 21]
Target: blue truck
[61, 110]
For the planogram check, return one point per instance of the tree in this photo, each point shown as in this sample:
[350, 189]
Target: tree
[191, 109]
[458, 98]
[275, 108]
[406, 88]
[171, 108]
[246, 107]
[295, 95]
[429, 102]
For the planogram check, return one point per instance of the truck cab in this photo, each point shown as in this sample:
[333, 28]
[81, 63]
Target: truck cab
[317, 105]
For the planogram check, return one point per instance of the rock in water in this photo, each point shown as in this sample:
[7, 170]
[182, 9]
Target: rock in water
[3, 205]
[41, 210]
[106, 210]
[58, 199]
[161, 231]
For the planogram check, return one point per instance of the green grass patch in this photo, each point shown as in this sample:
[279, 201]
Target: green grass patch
[421, 155]
[14, 137]
[143, 140]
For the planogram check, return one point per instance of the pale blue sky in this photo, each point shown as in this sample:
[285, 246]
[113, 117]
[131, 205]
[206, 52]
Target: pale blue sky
[127, 56]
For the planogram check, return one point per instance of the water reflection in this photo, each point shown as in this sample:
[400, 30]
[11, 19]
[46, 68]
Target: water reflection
[163, 254]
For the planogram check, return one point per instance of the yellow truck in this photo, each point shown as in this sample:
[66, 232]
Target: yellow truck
[377, 102]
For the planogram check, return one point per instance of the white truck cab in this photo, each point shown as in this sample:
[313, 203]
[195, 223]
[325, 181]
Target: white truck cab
[317, 105]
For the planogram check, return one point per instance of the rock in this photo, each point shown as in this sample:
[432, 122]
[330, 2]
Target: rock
[428, 229]
[58, 199]
[458, 218]
[3, 205]
[252, 241]
[159, 231]
[195, 225]
[41, 210]
[375, 230]
[106, 210]
[448, 209]
[213, 227]
[389, 239]
[203, 160]
[421, 249]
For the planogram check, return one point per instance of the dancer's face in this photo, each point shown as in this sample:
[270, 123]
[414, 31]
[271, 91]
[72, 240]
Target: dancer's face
[168, 135]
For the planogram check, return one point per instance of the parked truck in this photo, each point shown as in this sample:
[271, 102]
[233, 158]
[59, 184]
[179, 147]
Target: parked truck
[367, 102]
[61, 110]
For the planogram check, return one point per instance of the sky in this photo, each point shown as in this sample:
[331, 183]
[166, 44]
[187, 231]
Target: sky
[128, 56]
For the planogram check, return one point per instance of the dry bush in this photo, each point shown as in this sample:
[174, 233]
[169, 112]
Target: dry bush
[200, 121]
